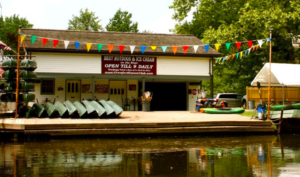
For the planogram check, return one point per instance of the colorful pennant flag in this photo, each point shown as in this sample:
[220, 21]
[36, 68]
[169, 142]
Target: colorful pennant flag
[44, 41]
[259, 42]
[33, 38]
[223, 59]
[24, 48]
[143, 48]
[257, 47]
[233, 56]
[66, 44]
[153, 47]
[249, 50]
[246, 52]
[269, 39]
[99, 46]
[196, 48]
[228, 46]
[185, 48]
[164, 48]
[237, 55]
[238, 45]
[241, 54]
[132, 47]
[77, 44]
[217, 46]
[88, 46]
[253, 48]
[110, 47]
[249, 43]
[55, 42]
[174, 48]
[121, 47]
[206, 47]
[23, 36]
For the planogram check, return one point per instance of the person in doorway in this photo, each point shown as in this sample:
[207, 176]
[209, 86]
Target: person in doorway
[199, 104]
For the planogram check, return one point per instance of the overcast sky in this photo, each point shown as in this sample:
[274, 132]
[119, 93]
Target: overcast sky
[151, 15]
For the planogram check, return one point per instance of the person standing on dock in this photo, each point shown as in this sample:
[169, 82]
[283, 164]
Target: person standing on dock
[199, 104]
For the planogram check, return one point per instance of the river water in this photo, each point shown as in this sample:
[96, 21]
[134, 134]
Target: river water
[159, 156]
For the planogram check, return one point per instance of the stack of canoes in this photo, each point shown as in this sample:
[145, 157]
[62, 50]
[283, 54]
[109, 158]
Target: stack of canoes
[222, 110]
[85, 110]
[27, 76]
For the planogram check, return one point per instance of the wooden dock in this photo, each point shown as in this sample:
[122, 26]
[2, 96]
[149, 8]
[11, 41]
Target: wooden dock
[136, 122]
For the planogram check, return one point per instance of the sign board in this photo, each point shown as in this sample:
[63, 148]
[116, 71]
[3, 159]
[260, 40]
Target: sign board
[194, 91]
[101, 88]
[128, 65]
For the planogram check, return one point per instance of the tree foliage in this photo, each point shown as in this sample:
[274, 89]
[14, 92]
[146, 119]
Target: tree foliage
[86, 21]
[221, 21]
[122, 22]
[9, 27]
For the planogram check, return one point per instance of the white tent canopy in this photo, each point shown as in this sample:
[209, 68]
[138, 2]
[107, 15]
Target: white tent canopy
[281, 75]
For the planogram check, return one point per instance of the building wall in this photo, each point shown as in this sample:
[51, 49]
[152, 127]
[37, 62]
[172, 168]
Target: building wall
[58, 95]
[183, 66]
[68, 63]
[91, 63]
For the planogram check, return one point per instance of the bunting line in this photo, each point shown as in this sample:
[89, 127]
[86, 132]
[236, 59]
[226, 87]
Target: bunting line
[143, 48]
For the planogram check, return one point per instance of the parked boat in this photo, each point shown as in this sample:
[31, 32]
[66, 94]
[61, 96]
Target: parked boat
[109, 110]
[9, 64]
[100, 110]
[290, 122]
[91, 111]
[222, 110]
[118, 110]
[72, 110]
[28, 75]
[10, 97]
[28, 64]
[10, 86]
[26, 87]
[28, 97]
[62, 110]
[80, 108]
[9, 75]
[51, 110]
[284, 107]
[39, 110]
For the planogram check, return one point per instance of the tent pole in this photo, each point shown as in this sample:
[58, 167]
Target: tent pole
[270, 60]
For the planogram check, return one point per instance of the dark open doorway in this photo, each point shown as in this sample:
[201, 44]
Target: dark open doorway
[167, 96]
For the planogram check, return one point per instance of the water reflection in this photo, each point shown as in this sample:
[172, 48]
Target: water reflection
[266, 155]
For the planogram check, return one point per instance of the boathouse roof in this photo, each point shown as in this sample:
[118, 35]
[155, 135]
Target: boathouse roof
[116, 39]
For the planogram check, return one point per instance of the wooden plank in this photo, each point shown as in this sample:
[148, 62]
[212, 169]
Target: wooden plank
[144, 125]
[213, 129]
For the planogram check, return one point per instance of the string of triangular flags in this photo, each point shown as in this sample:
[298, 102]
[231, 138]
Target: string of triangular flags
[241, 53]
[132, 47]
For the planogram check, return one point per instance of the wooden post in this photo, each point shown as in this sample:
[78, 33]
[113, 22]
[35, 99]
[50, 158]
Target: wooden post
[280, 121]
[270, 60]
[17, 75]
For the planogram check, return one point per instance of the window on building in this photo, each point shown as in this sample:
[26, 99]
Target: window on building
[47, 86]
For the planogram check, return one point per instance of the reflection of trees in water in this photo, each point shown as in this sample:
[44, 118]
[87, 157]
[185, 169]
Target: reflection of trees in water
[211, 156]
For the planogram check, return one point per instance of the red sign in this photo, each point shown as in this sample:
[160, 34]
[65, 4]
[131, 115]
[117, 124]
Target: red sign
[194, 91]
[128, 65]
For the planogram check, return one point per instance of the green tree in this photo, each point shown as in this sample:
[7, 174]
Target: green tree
[9, 27]
[122, 22]
[86, 21]
[221, 21]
